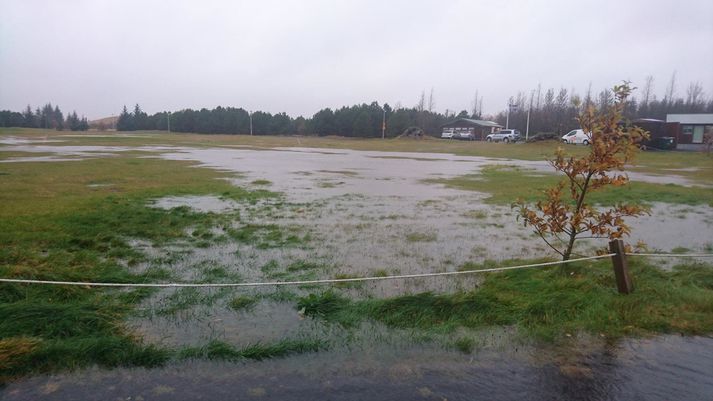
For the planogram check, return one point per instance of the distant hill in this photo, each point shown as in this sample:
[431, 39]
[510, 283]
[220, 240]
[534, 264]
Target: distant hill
[104, 123]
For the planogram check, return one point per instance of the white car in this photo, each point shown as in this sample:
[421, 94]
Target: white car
[577, 136]
[448, 133]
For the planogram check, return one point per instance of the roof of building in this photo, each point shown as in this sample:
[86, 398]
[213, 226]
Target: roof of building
[648, 120]
[699, 118]
[481, 123]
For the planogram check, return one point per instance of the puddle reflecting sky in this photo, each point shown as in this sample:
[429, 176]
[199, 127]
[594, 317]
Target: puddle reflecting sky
[663, 368]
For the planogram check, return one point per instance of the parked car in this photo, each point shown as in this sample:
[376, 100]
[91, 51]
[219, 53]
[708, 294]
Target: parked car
[468, 136]
[544, 136]
[659, 143]
[505, 135]
[577, 136]
[448, 133]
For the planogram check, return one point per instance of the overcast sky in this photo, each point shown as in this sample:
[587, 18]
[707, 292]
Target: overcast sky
[300, 56]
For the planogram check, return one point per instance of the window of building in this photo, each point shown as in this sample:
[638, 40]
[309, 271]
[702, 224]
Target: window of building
[697, 134]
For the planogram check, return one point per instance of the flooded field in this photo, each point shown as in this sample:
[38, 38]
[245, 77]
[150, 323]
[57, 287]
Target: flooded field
[348, 213]
[665, 368]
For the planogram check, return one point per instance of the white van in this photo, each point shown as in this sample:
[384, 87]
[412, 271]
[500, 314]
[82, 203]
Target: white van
[577, 136]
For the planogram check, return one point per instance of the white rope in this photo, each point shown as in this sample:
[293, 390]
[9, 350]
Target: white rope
[673, 255]
[304, 282]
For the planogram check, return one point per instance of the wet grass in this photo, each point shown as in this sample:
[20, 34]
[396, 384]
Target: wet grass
[545, 304]
[465, 344]
[53, 226]
[295, 271]
[218, 350]
[243, 302]
[529, 185]
[6, 154]
[55, 223]
[421, 237]
[266, 236]
[184, 299]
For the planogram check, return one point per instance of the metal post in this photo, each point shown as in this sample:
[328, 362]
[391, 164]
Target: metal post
[383, 126]
[250, 114]
[507, 118]
[169, 122]
[621, 269]
[527, 129]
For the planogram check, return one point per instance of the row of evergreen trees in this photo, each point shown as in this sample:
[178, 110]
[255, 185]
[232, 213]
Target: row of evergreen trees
[48, 116]
[550, 111]
[363, 120]
[554, 112]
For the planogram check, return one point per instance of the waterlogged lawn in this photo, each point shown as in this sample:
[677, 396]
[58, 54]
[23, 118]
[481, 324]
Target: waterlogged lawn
[546, 304]
[505, 184]
[692, 165]
[73, 221]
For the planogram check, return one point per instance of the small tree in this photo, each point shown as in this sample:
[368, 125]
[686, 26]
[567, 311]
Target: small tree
[565, 215]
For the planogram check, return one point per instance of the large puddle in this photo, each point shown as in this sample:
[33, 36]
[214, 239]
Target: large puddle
[362, 213]
[664, 368]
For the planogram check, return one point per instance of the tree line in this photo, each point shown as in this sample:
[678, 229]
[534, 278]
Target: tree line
[557, 110]
[363, 120]
[550, 110]
[47, 116]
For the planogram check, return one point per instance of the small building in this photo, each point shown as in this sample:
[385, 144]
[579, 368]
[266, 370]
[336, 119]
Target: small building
[689, 129]
[477, 129]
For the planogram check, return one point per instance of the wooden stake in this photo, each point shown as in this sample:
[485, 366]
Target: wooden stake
[621, 269]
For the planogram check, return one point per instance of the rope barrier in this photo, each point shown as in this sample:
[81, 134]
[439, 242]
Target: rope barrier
[673, 255]
[303, 282]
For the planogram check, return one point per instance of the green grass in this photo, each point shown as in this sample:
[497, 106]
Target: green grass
[54, 226]
[505, 184]
[224, 351]
[421, 237]
[545, 304]
[242, 302]
[266, 236]
[465, 344]
[184, 299]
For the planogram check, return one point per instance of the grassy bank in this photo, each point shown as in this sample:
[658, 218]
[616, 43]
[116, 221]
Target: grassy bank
[545, 304]
[73, 221]
[505, 184]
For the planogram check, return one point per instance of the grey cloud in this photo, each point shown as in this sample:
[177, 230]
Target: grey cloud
[95, 56]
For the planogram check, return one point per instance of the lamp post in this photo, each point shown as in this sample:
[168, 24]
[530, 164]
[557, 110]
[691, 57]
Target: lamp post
[383, 125]
[250, 115]
[527, 129]
[169, 122]
[512, 107]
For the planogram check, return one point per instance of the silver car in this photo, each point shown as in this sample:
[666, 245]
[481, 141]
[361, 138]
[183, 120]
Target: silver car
[505, 135]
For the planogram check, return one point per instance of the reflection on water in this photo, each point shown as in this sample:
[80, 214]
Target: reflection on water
[663, 368]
